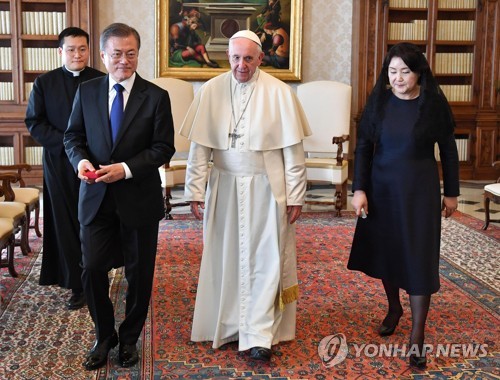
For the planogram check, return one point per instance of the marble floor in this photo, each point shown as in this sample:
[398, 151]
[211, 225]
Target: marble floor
[470, 200]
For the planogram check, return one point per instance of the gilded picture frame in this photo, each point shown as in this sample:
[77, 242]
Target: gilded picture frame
[182, 26]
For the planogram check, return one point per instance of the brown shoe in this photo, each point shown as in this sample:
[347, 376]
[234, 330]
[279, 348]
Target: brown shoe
[213, 64]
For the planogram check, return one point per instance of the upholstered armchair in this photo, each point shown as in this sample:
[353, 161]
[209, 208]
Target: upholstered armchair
[12, 220]
[7, 242]
[327, 105]
[30, 196]
[491, 194]
[173, 173]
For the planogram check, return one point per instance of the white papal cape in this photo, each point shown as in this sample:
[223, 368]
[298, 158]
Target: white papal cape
[248, 280]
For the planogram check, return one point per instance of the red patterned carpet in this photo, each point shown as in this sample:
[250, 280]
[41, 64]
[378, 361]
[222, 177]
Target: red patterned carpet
[40, 339]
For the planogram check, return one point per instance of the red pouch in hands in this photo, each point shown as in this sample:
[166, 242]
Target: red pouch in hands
[91, 175]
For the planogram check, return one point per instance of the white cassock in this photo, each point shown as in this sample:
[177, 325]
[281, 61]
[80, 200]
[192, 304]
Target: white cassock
[247, 288]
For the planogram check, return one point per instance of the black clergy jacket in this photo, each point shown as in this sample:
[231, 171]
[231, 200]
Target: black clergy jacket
[50, 105]
[47, 115]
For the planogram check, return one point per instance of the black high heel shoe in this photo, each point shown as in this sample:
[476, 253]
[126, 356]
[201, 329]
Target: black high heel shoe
[384, 329]
[418, 362]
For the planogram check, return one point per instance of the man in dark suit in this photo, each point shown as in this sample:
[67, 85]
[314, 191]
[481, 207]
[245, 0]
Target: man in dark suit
[120, 204]
[47, 117]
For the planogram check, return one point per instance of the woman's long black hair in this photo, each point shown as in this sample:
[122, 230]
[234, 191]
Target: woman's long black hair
[430, 92]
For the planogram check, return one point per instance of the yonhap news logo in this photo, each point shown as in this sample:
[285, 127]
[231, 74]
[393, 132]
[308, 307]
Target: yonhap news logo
[333, 349]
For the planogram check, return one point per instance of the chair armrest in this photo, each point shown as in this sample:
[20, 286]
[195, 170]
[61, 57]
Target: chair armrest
[6, 189]
[339, 140]
[19, 168]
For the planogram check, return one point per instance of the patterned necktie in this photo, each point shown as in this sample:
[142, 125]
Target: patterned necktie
[116, 115]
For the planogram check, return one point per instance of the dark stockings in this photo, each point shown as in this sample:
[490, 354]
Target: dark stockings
[419, 308]
[395, 308]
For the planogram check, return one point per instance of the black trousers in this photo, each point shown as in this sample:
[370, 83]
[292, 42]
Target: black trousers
[102, 241]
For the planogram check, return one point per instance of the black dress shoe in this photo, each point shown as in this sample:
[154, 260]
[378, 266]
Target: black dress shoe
[260, 353]
[76, 301]
[98, 355]
[385, 328]
[418, 362]
[127, 355]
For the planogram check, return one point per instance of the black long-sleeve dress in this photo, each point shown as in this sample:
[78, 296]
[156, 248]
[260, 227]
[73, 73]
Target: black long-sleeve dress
[399, 241]
[47, 117]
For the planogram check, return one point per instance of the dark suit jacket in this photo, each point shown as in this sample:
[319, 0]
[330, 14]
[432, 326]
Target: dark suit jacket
[145, 142]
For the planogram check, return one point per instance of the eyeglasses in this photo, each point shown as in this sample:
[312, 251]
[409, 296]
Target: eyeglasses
[116, 55]
[236, 59]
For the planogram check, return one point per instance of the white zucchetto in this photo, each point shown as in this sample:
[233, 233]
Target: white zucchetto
[248, 34]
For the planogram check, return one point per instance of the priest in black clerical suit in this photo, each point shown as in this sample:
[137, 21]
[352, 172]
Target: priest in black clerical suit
[47, 117]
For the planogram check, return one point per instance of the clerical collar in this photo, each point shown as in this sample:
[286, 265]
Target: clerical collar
[75, 73]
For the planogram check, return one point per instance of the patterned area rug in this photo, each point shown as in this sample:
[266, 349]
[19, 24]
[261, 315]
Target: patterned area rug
[39, 339]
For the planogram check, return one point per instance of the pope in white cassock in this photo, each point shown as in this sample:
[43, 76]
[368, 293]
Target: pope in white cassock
[252, 126]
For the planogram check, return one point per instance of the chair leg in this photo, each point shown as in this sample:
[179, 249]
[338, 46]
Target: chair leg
[27, 232]
[24, 241]
[338, 200]
[10, 257]
[37, 218]
[486, 212]
[9, 260]
[168, 206]
[344, 194]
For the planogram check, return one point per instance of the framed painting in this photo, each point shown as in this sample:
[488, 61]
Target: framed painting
[192, 36]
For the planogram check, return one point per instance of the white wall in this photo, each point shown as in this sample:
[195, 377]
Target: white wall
[327, 30]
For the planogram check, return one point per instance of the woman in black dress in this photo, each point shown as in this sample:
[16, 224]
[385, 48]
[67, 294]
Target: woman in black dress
[396, 184]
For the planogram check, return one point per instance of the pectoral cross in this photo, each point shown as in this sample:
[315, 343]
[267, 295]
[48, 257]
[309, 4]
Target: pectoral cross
[234, 136]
